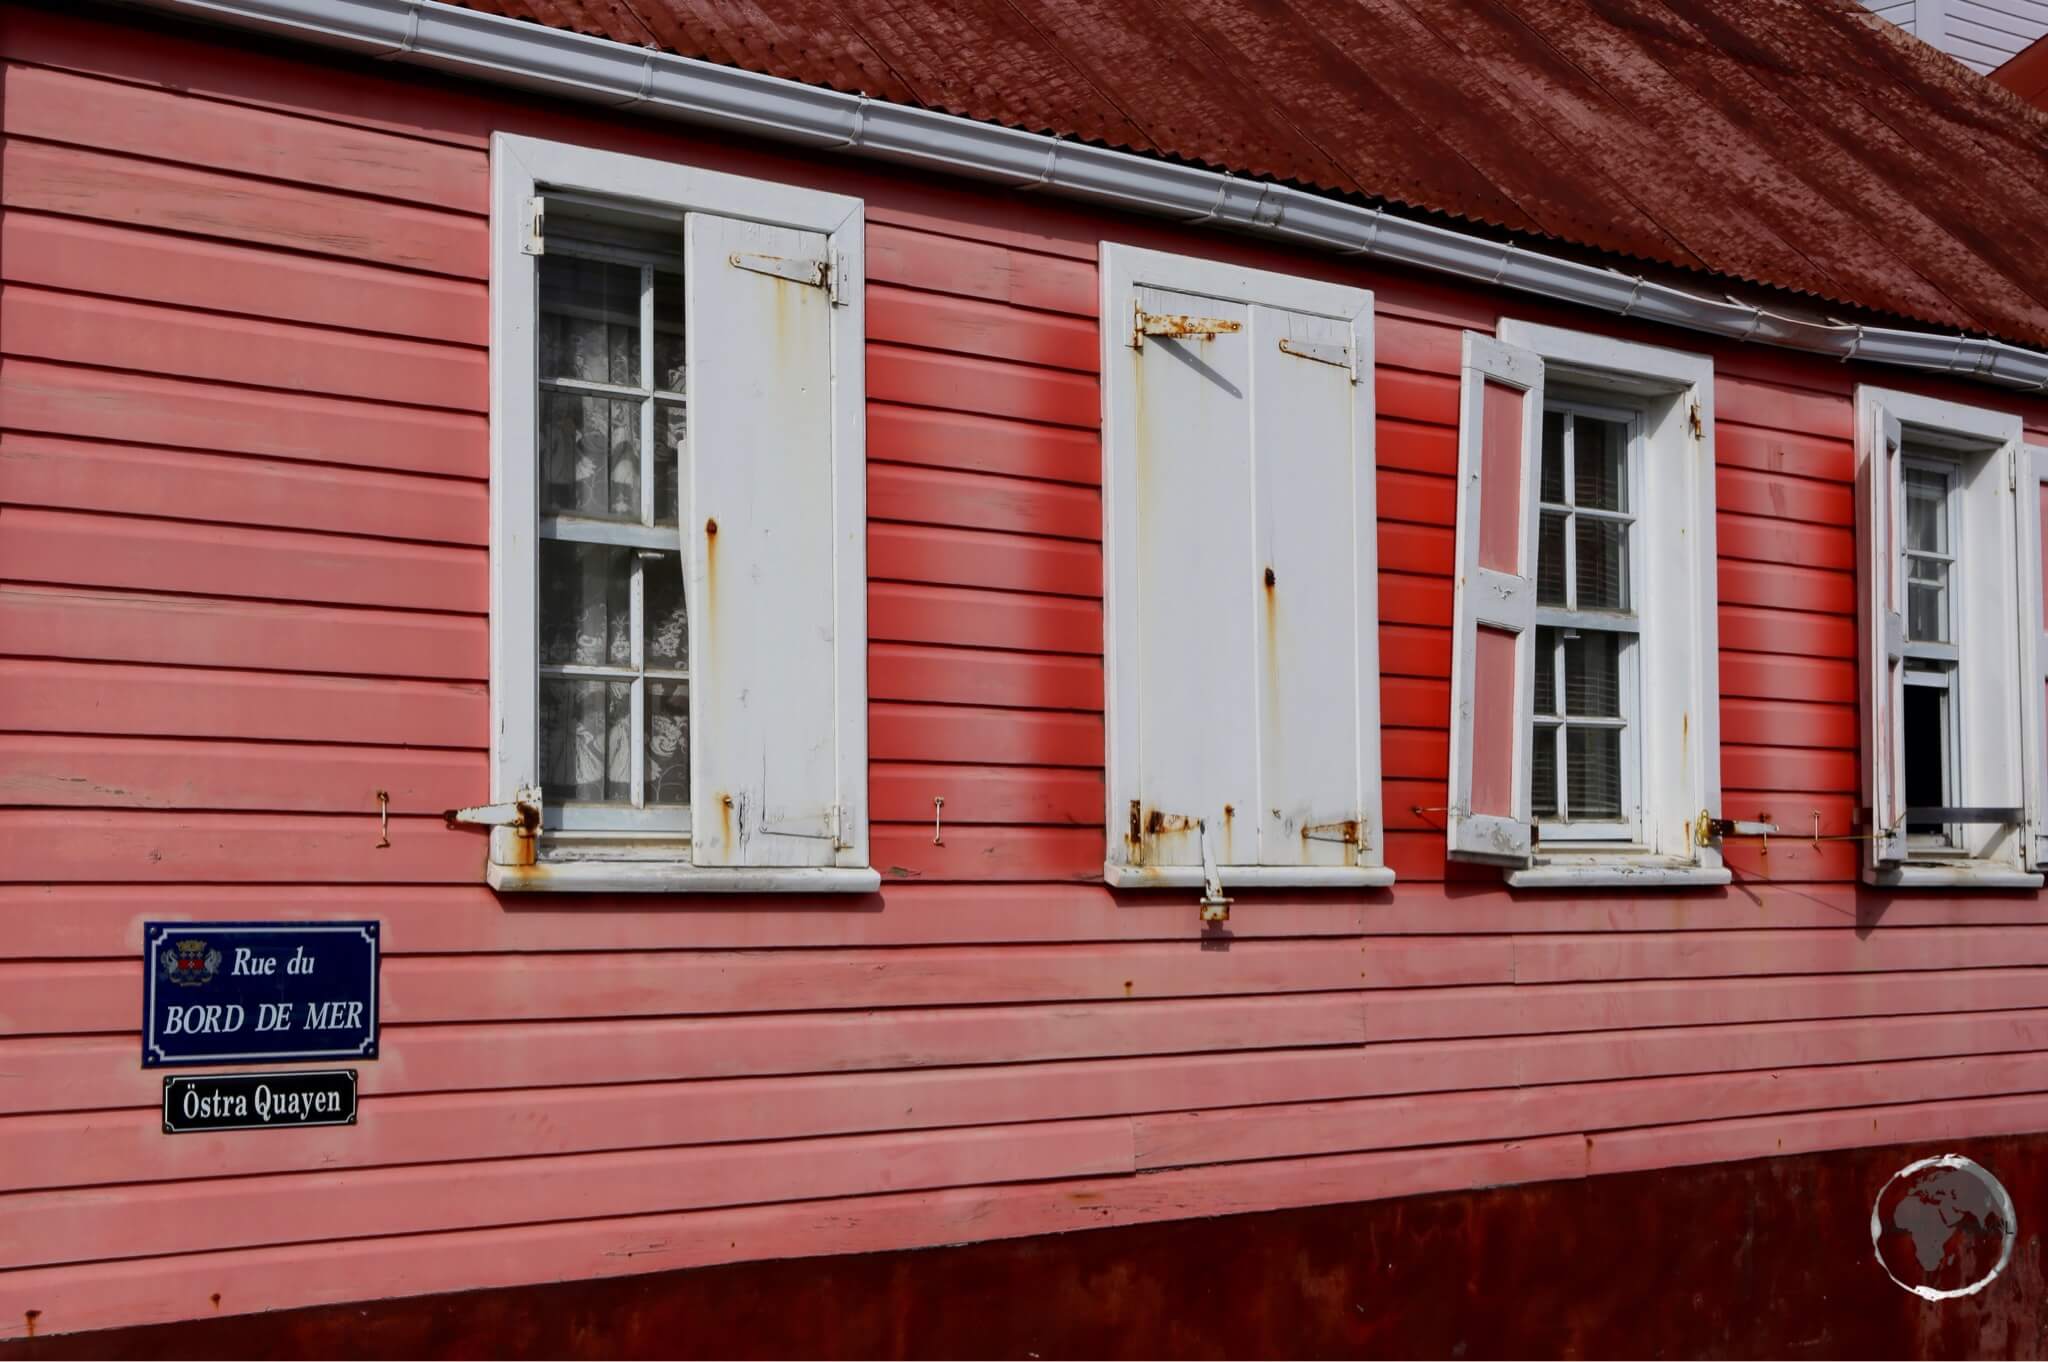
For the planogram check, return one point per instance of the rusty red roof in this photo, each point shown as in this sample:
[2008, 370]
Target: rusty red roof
[1802, 144]
[2026, 75]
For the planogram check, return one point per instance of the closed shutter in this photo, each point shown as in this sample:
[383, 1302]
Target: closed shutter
[2033, 513]
[1882, 634]
[1241, 632]
[760, 513]
[1494, 616]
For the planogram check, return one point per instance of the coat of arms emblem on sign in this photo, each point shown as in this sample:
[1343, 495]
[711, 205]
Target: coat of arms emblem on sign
[189, 962]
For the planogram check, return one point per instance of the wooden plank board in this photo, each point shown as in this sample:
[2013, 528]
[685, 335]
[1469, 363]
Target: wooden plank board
[69, 328]
[969, 326]
[991, 444]
[949, 732]
[986, 387]
[979, 676]
[981, 269]
[981, 501]
[1667, 955]
[970, 617]
[133, 627]
[83, 475]
[72, 548]
[904, 792]
[189, 702]
[147, 773]
[950, 556]
[39, 1228]
[166, 847]
[234, 277]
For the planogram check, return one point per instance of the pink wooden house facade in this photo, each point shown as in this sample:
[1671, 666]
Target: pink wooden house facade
[958, 987]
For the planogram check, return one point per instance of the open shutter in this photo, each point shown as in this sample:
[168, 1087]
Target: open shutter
[1883, 633]
[1494, 618]
[758, 502]
[2033, 514]
[1241, 592]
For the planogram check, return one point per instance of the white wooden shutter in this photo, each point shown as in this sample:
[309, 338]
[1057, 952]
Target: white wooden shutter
[760, 516]
[1883, 632]
[1241, 592]
[2032, 480]
[1494, 616]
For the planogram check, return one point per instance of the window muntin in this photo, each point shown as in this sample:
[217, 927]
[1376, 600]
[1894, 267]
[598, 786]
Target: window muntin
[1584, 766]
[613, 677]
[1931, 718]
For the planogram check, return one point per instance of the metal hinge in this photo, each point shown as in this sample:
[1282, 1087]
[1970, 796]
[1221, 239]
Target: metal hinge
[835, 822]
[1176, 326]
[1322, 352]
[1215, 903]
[810, 273]
[1708, 828]
[535, 242]
[1699, 429]
[522, 811]
[1351, 831]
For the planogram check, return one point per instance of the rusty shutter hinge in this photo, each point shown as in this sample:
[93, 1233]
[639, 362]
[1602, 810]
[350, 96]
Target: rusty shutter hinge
[810, 273]
[1176, 326]
[1699, 429]
[1708, 828]
[1350, 831]
[521, 811]
[1322, 352]
[834, 819]
[535, 240]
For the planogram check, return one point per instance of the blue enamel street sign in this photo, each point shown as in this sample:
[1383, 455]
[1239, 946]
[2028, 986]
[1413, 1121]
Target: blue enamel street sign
[255, 992]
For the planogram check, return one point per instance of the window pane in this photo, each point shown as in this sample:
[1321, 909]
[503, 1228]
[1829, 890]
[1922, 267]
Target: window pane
[668, 742]
[1926, 511]
[1927, 601]
[670, 430]
[590, 455]
[1592, 674]
[1603, 563]
[586, 740]
[1593, 773]
[668, 331]
[586, 611]
[1545, 683]
[589, 320]
[1550, 560]
[1553, 456]
[1543, 772]
[668, 638]
[1599, 463]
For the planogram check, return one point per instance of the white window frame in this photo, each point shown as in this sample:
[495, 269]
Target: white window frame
[1627, 830]
[615, 860]
[1992, 539]
[1673, 575]
[1125, 269]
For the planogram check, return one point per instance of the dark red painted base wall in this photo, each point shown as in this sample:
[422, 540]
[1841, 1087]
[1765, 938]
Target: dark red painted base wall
[1765, 1258]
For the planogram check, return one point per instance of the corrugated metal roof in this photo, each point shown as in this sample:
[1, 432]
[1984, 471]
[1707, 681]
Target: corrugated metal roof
[1803, 144]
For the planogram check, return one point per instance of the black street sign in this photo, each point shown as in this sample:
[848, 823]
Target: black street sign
[196, 1102]
[257, 992]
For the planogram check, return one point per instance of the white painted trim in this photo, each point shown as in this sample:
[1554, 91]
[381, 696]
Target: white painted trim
[1124, 270]
[1679, 729]
[1635, 872]
[1997, 669]
[1250, 877]
[572, 66]
[675, 877]
[520, 167]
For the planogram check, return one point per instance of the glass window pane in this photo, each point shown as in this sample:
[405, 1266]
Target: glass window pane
[586, 740]
[590, 455]
[1543, 772]
[671, 429]
[668, 637]
[1592, 674]
[1593, 773]
[1550, 560]
[1927, 601]
[1603, 563]
[589, 320]
[1926, 511]
[668, 331]
[1553, 456]
[1599, 463]
[668, 742]
[586, 611]
[1545, 682]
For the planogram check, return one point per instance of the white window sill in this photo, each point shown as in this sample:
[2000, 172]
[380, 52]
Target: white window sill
[1961, 874]
[1250, 876]
[1593, 870]
[680, 877]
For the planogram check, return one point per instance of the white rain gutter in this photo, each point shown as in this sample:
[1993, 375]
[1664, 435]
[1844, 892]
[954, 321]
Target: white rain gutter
[594, 70]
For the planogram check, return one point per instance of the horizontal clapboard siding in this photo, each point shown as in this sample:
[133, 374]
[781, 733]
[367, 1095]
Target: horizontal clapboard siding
[244, 589]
